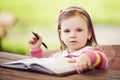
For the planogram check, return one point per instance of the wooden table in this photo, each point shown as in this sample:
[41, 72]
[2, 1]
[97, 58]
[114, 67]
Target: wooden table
[9, 74]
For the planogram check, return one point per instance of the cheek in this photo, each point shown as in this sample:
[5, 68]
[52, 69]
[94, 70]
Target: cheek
[83, 37]
[63, 37]
[82, 41]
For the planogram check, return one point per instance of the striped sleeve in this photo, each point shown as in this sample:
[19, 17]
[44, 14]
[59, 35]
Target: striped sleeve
[91, 55]
[97, 61]
[98, 58]
[104, 61]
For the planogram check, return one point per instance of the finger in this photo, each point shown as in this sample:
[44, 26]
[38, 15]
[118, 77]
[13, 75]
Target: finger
[72, 60]
[34, 38]
[87, 67]
[30, 42]
[84, 65]
[40, 38]
[38, 35]
[90, 65]
[79, 67]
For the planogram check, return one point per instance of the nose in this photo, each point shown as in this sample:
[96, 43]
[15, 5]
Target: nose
[72, 34]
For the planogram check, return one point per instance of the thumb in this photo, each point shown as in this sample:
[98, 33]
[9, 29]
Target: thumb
[72, 60]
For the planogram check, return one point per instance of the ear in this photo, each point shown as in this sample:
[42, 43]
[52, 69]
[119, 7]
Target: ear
[89, 34]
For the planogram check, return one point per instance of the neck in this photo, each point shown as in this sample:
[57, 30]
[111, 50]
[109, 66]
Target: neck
[73, 50]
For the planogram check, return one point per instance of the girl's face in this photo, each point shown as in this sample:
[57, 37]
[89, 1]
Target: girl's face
[74, 33]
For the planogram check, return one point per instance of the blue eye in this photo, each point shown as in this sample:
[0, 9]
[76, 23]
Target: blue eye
[66, 31]
[79, 30]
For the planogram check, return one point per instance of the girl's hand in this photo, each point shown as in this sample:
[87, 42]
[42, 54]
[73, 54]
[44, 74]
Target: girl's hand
[83, 63]
[35, 43]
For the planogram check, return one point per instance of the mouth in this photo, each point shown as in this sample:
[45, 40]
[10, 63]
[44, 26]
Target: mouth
[73, 41]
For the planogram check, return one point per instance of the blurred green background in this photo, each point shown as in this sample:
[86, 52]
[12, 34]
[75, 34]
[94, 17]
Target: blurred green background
[41, 16]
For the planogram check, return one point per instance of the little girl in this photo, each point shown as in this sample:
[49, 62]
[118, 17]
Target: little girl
[77, 40]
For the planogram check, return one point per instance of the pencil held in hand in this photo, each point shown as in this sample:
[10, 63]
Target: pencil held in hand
[35, 35]
[38, 39]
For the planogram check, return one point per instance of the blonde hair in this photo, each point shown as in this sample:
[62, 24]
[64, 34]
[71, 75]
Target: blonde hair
[72, 11]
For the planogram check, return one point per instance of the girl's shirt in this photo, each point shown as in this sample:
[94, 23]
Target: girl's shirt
[97, 57]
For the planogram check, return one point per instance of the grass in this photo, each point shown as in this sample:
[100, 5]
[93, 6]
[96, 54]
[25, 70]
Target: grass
[40, 16]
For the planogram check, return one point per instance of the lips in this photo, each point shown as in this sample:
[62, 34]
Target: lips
[73, 41]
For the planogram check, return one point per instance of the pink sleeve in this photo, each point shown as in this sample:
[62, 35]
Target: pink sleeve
[36, 53]
[103, 59]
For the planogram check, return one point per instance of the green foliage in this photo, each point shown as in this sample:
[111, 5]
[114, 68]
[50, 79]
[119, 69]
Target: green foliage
[15, 46]
[45, 11]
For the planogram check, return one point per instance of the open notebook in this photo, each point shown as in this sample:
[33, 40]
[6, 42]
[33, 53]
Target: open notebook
[52, 66]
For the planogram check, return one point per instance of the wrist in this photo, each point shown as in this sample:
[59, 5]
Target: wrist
[91, 55]
[35, 48]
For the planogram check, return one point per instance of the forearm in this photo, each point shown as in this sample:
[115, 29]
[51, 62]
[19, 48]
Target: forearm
[98, 59]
